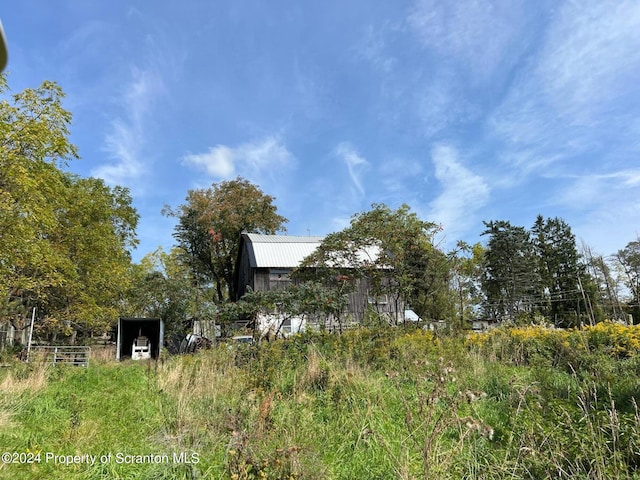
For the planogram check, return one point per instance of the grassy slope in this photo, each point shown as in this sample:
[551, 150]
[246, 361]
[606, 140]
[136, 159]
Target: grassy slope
[364, 405]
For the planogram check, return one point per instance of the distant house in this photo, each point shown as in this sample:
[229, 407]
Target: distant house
[265, 263]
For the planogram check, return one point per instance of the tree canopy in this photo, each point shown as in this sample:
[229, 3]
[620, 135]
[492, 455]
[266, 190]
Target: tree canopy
[210, 224]
[393, 251]
[64, 240]
[535, 271]
[510, 278]
[65, 243]
[162, 287]
[629, 260]
[466, 263]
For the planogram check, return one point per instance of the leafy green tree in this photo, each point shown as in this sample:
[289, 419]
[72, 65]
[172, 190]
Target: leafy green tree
[209, 228]
[606, 283]
[629, 259]
[33, 142]
[319, 303]
[162, 287]
[466, 274]
[97, 230]
[393, 252]
[63, 240]
[89, 250]
[427, 276]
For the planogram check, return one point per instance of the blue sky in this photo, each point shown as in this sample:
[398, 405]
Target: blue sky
[467, 111]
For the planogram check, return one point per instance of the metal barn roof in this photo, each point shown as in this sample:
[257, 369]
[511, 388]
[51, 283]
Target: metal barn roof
[279, 251]
[288, 251]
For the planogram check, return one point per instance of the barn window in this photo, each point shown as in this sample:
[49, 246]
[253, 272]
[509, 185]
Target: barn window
[379, 300]
[279, 279]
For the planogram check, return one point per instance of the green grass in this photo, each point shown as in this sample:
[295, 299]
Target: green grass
[375, 404]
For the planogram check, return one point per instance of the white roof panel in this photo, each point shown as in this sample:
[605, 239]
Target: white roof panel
[285, 251]
[280, 251]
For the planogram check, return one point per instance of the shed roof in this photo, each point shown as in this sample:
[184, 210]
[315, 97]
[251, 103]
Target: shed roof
[279, 251]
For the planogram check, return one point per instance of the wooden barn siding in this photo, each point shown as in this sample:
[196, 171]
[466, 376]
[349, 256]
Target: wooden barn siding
[358, 301]
[261, 279]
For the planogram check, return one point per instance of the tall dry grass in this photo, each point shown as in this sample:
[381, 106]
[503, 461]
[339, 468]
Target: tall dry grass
[32, 379]
[103, 354]
[197, 394]
[19, 381]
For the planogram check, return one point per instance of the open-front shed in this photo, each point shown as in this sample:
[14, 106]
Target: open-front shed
[132, 331]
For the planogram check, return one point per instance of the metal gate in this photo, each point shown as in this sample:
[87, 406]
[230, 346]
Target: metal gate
[62, 354]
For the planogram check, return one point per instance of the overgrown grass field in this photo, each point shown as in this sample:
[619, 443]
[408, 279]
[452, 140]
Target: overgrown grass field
[367, 404]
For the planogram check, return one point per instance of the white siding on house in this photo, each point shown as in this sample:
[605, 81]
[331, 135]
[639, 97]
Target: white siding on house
[269, 323]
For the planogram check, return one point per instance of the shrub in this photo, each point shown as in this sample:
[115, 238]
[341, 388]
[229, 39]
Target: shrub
[568, 349]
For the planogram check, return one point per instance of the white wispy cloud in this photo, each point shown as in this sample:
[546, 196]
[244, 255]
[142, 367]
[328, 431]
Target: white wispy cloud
[356, 165]
[585, 71]
[463, 192]
[127, 136]
[373, 48]
[78, 53]
[438, 103]
[261, 161]
[591, 56]
[477, 34]
[398, 177]
[218, 162]
[600, 189]
[606, 206]
[570, 111]
[471, 48]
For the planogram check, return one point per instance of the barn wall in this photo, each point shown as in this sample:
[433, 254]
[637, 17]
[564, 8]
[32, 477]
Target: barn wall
[261, 279]
[269, 279]
[265, 279]
[361, 300]
[244, 272]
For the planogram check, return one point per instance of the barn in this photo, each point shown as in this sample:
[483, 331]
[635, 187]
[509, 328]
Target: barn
[265, 263]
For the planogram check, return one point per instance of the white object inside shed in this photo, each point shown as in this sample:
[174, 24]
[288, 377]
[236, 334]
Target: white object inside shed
[139, 338]
[141, 348]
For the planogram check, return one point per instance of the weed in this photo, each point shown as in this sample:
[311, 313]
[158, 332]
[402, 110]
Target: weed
[370, 403]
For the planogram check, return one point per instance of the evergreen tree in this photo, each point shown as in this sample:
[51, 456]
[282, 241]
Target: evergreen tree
[566, 289]
[511, 278]
[559, 269]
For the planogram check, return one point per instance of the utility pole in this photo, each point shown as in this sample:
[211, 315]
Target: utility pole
[587, 303]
